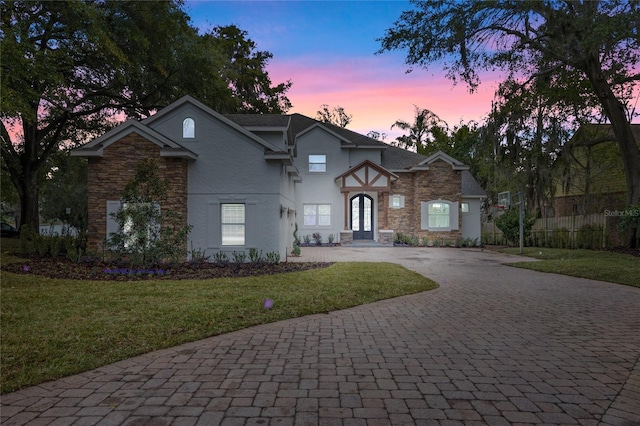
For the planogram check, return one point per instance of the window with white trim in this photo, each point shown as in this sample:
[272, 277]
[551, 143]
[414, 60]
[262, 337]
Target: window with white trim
[464, 207]
[317, 163]
[396, 201]
[317, 214]
[140, 225]
[232, 218]
[439, 215]
[188, 128]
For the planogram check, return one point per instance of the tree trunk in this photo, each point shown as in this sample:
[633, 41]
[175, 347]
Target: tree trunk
[621, 126]
[29, 192]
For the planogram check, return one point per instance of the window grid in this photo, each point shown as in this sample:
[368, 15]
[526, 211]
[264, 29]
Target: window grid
[317, 214]
[439, 215]
[317, 163]
[233, 224]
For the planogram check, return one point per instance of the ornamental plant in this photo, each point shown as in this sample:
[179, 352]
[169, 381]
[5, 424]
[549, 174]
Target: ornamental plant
[509, 224]
[146, 234]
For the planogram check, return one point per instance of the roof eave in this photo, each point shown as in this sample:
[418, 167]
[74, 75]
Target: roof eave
[181, 153]
[86, 152]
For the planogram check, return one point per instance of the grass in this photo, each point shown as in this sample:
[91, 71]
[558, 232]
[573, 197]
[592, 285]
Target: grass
[51, 328]
[596, 265]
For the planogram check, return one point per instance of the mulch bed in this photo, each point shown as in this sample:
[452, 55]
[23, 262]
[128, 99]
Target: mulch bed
[99, 271]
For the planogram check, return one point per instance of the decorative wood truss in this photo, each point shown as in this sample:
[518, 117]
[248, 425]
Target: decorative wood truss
[366, 177]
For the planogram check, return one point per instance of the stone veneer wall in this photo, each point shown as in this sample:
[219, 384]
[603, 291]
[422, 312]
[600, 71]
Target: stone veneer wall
[439, 182]
[108, 175]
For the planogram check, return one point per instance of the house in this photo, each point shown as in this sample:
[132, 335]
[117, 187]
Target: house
[591, 175]
[244, 181]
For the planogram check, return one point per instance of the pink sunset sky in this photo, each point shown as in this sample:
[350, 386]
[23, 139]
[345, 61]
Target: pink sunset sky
[327, 50]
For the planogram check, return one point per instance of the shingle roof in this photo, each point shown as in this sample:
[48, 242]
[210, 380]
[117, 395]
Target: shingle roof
[470, 186]
[259, 120]
[394, 159]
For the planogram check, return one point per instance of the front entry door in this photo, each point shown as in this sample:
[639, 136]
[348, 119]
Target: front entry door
[362, 217]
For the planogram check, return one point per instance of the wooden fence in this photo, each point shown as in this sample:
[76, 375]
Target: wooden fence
[594, 231]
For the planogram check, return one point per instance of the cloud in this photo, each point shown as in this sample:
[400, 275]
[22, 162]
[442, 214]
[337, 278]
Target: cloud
[377, 91]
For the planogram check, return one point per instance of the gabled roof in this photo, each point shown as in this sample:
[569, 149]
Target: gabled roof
[398, 159]
[220, 117]
[470, 186]
[260, 121]
[593, 134]
[371, 164]
[455, 164]
[169, 148]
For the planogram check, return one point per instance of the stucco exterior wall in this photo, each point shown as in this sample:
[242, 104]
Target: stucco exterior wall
[320, 187]
[471, 226]
[357, 156]
[230, 168]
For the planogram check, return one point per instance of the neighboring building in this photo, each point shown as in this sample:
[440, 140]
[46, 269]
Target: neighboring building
[243, 181]
[591, 175]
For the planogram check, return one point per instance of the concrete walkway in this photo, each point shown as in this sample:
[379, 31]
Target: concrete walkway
[494, 345]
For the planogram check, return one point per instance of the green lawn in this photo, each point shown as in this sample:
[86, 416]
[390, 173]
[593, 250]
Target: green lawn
[592, 264]
[54, 328]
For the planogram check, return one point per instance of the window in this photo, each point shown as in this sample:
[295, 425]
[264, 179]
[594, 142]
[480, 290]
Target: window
[233, 224]
[140, 225]
[396, 201]
[439, 214]
[465, 207]
[317, 163]
[317, 214]
[188, 128]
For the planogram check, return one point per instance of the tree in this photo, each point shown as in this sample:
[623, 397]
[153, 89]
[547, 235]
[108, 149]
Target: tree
[590, 45]
[337, 116]
[147, 234]
[427, 133]
[509, 224]
[379, 136]
[71, 69]
[529, 129]
[64, 192]
[243, 70]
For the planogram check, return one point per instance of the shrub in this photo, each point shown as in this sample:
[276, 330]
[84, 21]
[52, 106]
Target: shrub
[198, 255]
[509, 224]
[331, 238]
[630, 222]
[220, 258]
[239, 256]
[589, 237]
[146, 235]
[65, 244]
[307, 239]
[408, 240]
[317, 238]
[255, 256]
[296, 242]
[273, 257]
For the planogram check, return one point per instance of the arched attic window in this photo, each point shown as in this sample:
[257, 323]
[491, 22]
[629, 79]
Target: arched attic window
[188, 128]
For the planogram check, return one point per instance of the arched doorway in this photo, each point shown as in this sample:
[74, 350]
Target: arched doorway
[362, 217]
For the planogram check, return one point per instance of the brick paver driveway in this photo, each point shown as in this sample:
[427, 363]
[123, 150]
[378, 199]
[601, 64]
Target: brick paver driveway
[493, 345]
